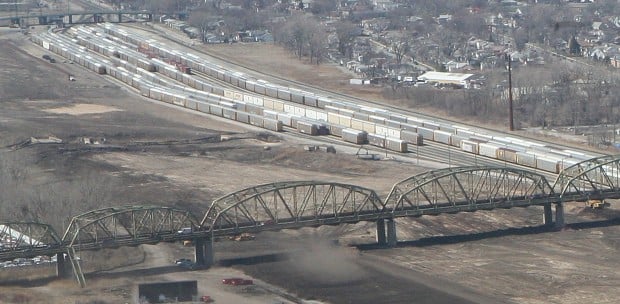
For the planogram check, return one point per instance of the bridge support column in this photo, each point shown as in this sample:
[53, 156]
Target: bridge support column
[559, 215]
[381, 239]
[70, 19]
[120, 18]
[209, 256]
[199, 252]
[391, 233]
[203, 254]
[547, 215]
[62, 267]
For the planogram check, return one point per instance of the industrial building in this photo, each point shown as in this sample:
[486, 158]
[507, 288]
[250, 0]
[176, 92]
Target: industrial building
[446, 79]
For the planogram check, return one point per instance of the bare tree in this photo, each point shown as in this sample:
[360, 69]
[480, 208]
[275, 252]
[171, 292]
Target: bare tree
[400, 48]
[346, 32]
[317, 44]
[304, 36]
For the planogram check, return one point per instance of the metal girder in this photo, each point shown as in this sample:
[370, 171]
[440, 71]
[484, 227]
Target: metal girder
[27, 236]
[593, 175]
[466, 186]
[287, 202]
[148, 223]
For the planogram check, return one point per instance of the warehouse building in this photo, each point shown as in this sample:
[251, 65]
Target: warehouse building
[446, 79]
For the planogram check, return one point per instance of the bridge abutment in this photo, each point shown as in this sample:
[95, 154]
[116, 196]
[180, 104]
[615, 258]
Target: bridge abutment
[547, 215]
[391, 233]
[381, 238]
[559, 215]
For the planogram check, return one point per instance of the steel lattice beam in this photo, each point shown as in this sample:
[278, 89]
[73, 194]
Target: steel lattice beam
[594, 175]
[27, 236]
[290, 202]
[469, 187]
[128, 222]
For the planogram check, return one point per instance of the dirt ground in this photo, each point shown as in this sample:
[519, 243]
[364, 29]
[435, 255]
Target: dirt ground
[483, 257]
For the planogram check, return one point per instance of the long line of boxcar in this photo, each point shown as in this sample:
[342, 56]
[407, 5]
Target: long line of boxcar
[314, 114]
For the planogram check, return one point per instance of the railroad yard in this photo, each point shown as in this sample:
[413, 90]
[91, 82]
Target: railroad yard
[180, 130]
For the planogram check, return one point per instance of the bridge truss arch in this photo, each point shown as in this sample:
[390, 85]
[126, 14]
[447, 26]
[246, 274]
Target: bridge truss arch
[27, 237]
[596, 175]
[126, 225]
[291, 204]
[466, 189]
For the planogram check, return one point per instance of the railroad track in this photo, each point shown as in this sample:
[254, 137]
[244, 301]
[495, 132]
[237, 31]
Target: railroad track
[439, 152]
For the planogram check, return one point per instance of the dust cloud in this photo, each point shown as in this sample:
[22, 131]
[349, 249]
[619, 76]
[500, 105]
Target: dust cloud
[323, 262]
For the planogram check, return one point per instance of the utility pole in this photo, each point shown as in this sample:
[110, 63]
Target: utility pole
[512, 126]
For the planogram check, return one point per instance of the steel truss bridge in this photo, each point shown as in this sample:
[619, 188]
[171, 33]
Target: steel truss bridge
[77, 17]
[296, 204]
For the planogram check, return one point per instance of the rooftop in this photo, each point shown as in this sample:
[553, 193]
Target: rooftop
[443, 76]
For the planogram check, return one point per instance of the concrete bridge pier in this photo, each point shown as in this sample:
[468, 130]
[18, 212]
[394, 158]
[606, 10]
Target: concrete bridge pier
[547, 215]
[559, 215]
[63, 269]
[203, 252]
[381, 238]
[391, 233]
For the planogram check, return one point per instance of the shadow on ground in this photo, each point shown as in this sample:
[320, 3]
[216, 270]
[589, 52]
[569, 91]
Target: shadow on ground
[453, 239]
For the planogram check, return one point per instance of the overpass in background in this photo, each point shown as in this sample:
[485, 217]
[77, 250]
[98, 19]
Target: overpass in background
[297, 204]
[77, 17]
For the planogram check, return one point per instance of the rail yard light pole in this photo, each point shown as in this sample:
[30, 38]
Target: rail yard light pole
[449, 156]
[385, 145]
[509, 59]
[417, 154]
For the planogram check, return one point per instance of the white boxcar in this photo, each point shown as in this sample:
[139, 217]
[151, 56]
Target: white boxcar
[442, 137]
[321, 115]
[345, 121]
[469, 146]
[270, 114]
[354, 136]
[547, 164]
[526, 159]
[488, 150]
[272, 124]
[397, 145]
[426, 133]
[311, 114]
[333, 118]
[411, 137]
[289, 109]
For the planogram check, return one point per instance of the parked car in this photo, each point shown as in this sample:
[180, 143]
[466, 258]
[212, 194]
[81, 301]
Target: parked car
[237, 281]
[186, 230]
[187, 265]
[181, 261]
[242, 282]
[206, 299]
